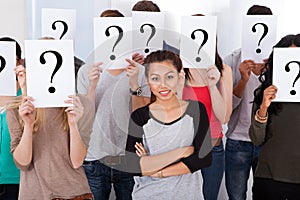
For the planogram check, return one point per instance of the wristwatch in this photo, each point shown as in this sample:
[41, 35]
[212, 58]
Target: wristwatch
[137, 92]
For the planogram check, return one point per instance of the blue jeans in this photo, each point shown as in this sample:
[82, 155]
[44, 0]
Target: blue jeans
[240, 157]
[101, 177]
[212, 175]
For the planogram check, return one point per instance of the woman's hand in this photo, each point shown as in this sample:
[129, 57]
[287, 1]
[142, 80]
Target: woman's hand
[138, 58]
[269, 95]
[27, 111]
[94, 75]
[132, 71]
[140, 149]
[212, 75]
[74, 112]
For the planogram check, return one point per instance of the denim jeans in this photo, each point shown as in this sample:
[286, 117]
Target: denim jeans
[212, 175]
[9, 191]
[240, 157]
[101, 177]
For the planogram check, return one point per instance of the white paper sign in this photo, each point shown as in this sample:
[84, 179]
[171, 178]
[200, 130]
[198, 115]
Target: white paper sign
[59, 23]
[148, 31]
[259, 36]
[7, 64]
[113, 41]
[50, 71]
[198, 41]
[286, 74]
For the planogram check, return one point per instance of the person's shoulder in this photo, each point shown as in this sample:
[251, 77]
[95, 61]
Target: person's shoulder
[140, 115]
[84, 69]
[195, 106]
[226, 69]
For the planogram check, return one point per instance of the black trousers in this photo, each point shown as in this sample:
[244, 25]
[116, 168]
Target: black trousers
[268, 189]
[9, 191]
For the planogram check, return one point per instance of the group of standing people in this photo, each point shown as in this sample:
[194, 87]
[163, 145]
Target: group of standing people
[153, 129]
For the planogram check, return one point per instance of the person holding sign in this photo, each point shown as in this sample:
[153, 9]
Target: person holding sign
[212, 87]
[115, 93]
[168, 140]
[276, 126]
[9, 173]
[240, 154]
[49, 146]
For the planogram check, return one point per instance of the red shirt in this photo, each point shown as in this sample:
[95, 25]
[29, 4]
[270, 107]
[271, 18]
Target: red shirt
[202, 95]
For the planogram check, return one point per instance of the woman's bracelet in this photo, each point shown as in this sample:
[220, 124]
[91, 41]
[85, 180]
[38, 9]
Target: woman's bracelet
[259, 118]
[160, 174]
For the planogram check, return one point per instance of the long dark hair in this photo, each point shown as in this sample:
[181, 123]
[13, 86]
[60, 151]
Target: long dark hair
[160, 56]
[266, 74]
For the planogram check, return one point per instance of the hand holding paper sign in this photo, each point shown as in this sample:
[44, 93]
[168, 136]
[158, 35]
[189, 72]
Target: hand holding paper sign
[212, 75]
[132, 71]
[27, 111]
[94, 75]
[245, 69]
[139, 58]
[74, 112]
[269, 95]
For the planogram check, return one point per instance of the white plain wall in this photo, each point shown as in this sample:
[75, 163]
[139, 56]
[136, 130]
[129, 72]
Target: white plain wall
[13, 20]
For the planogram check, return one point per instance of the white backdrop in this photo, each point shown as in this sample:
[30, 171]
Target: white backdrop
[21, 20]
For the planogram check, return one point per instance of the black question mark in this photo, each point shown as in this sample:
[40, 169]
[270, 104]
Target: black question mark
[266, 29]
[205, 35]
[65, 27]
[153, 31]
[3, 63]
[287, 69]
[120, 36]
[57, 67]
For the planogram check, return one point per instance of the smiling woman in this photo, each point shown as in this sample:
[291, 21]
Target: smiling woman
[168, 140]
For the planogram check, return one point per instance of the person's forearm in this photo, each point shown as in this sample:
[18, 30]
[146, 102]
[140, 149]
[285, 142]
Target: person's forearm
[91, 94]
[77, 147]
[152, 164]
[239, 88]
[23, 152]
[173, 170]
[218, 103]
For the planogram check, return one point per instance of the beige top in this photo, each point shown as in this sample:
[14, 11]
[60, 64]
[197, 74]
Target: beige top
[50, 174]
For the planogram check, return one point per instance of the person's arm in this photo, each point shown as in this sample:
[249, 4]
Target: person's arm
[94, 74]
[257, 130]
[221, 98]
[80, 119]
[245, 69]
[22, 139]
[132, 72]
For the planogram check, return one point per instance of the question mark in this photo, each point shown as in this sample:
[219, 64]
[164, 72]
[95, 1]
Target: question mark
[120, 36]
[65, 27]
[3, 63]
[266, 29]
[153, 31]
[57, 67]
[287, 69]
[205, 34]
